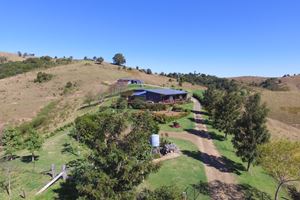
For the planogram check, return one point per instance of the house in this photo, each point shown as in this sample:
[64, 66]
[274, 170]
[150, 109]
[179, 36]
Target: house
[158, 95]
[129, 81]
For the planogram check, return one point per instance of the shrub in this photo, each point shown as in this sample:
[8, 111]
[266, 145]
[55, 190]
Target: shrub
[165, 192]
[3, 59]
[140, 104]
[163, 118]
[42, 77]
[99, 60]
[120, 104]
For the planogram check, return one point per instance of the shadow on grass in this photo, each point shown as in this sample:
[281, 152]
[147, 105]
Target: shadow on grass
[206, 135]
[218, 191]
[199, 112]
[28, 159]
[223, 164]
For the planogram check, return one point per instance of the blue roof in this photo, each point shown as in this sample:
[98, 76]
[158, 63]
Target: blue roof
[139, 93]
[166, 91]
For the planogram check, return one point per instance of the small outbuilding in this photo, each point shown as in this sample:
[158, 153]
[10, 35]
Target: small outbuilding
[129, 81]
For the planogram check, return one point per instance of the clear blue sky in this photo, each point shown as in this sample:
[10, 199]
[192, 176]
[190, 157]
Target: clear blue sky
[220, 37]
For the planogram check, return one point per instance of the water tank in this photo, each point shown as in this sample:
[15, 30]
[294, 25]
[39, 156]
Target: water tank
[155, 140]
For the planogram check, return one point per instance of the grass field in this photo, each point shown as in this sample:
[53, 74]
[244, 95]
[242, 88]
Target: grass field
[185, 122]
[184, 171]
[31, 177]
[256, 178]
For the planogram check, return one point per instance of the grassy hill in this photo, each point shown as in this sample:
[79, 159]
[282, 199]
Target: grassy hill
[24, 99]
[11, 56]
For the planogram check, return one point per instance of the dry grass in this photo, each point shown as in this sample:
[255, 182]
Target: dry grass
[282, 130]
[21, 98]
[11, 56]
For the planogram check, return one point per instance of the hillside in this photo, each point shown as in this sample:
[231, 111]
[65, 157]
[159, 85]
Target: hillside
[11, 56]
[23, 98]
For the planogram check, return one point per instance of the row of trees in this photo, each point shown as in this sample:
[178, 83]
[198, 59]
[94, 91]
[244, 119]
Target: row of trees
[240, 114]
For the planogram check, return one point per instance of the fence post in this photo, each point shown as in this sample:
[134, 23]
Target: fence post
[53, 173]
[64, 170]
[184, 196]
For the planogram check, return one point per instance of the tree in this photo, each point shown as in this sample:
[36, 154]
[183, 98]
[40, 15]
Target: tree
[99, 60]
[119, 59]
[19, 53]
[148, 71]
[281, 160]
[227, 112]
[33, 142]
[11, 141]
[250, 131]
[94, 58]
[85, 58]
[211, 97]
[118, 162]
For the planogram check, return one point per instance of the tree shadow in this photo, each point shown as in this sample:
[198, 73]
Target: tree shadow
[28, 159]
[199, 112]
[207, 135]
[218, 190]
[223, 164]
[68, 148]
[67, 190]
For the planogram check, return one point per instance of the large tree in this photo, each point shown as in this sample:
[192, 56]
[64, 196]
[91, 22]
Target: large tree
[250, 131]
[33, 142]
[11, 141]
[281, 159]
[119, 59]
[211, 97]
[227, 112]
[120, 157]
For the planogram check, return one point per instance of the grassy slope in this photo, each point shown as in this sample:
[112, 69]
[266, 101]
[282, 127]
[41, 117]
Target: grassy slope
[256, 177]
[182, 172]
[185, 122]
[31, 180]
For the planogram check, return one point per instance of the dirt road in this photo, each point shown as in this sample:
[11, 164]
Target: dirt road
[220, 176]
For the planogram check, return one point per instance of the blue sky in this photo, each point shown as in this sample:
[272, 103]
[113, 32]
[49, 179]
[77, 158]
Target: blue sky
[220, 37]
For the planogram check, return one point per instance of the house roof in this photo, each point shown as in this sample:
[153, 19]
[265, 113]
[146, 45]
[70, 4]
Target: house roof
[166, 91]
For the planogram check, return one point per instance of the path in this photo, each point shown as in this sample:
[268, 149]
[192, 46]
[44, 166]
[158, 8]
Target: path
[220, 178]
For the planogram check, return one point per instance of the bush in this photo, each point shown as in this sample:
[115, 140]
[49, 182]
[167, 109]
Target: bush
[163, 193]
[99, 60]
[163, 118]
[140, 104]
[42, 77]
[120, 104]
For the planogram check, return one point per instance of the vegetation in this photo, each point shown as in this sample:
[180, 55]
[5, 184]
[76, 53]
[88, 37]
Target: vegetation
[281, 160]
[14, 68]
[3, 59]
[273, 84]
[117, 163]
[99, 60]
[119, 59]
[11, 141]
[33, 142]
[140, 104]
[163, 193]
[250, 130]
[89, 98]
[42, 77]
[120, 104]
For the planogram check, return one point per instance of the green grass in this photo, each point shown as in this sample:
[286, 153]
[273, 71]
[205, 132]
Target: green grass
[28, 177]
[185, 122]
[183, 171]
[256, 177]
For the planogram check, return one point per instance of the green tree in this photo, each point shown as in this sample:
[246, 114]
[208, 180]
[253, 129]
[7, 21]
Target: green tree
[118, 162]
[99, 60]
[250, 131]
[119, 59]
[148, 71]
[11, 141]
[227, 112]
[281, 159]
[33, 142]
[211, 97]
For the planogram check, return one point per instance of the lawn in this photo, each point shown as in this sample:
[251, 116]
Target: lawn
[29, 177]
[256, 178]
[183, 171]
[186, 123]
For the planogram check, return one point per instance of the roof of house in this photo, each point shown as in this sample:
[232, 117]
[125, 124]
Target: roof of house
[129, 79]
[138, 93]
[166, 91]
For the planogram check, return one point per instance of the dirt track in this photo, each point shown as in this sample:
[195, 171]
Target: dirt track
[216, 169]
